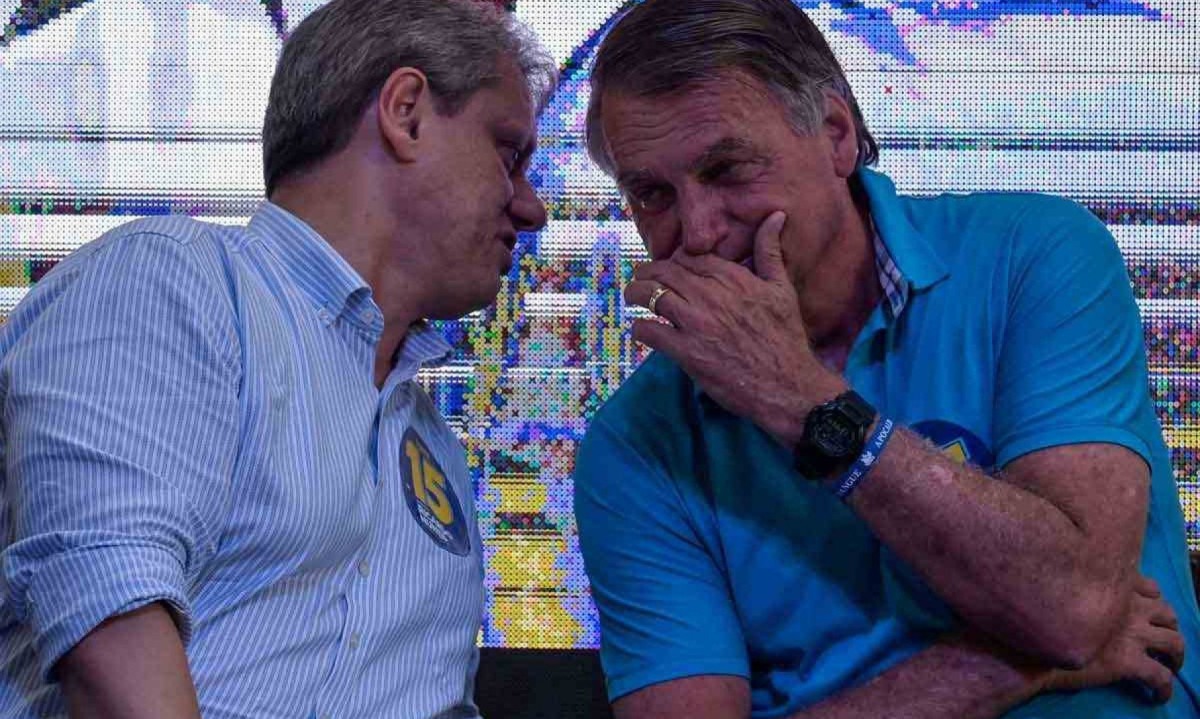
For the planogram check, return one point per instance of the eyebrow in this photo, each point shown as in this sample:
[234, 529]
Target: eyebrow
[632, 177]
[722, 149]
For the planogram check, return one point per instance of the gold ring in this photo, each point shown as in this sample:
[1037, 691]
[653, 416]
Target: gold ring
[655, 297]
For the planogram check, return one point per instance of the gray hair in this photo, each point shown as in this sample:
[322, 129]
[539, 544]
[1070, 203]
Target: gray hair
[663, 47]
[335, 62]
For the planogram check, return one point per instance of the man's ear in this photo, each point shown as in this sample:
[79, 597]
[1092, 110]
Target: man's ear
[404, 103]
[842, 134]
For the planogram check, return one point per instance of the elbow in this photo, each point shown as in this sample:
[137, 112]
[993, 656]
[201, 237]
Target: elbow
[1078, 629]
[1070, 653]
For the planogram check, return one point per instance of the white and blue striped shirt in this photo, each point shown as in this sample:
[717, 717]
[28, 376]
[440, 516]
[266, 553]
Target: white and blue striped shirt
[189, 416]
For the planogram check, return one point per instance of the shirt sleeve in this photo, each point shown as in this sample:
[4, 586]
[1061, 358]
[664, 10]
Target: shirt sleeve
[1072, 365]
[118, 386]
[664, 604]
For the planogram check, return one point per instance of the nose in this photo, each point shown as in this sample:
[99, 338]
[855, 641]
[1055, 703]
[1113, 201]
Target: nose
[526, 209]
[702, 221]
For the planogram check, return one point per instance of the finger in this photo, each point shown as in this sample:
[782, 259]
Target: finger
[675, 276]
[768, 248]
[708, 265]
[1157, 612]
[1147, 587]
[1158, 678]
[650, 270]
[658, 336]
[1164, 646]
[639, 292]
[670, 305]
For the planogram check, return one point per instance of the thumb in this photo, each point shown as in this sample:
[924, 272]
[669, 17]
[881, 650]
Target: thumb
[768, 248]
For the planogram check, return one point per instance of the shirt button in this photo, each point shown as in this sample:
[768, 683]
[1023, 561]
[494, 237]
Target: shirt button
[364, 568]
[355, 640]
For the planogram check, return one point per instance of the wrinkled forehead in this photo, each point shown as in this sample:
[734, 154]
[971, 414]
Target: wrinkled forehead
[730, 108]
[731, 85]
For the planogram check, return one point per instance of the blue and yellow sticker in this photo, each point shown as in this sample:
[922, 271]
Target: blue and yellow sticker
[957, 443]
[430, 496]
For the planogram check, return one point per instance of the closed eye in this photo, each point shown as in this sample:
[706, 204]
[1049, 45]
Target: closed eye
[716, 171]
[511, 156]
[730, 160]
[649, 198]
[727, 171]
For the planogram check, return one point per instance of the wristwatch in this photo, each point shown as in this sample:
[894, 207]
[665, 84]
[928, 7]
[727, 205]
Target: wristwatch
[833, 437]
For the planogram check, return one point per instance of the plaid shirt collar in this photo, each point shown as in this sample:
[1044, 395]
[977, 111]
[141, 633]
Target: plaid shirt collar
[895, 285]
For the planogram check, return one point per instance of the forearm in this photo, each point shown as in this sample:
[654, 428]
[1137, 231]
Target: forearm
[131, 666]
[1010, 562]
[958, 679]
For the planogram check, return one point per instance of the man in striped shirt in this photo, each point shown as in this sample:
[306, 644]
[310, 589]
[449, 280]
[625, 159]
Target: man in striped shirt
[224, 492]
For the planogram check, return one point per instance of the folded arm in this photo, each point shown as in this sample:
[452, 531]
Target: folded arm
[960, 677]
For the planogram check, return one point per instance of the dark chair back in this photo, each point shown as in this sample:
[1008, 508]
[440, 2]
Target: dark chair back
[541, 684]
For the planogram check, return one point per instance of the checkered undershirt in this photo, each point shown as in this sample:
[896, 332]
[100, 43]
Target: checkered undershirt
[891, 279]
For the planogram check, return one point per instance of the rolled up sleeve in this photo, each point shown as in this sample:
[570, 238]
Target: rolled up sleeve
[119, 389]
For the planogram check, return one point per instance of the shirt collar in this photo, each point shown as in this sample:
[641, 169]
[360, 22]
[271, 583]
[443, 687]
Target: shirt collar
[917, 266]
[891, 279]
[316, 268]
[422, 346]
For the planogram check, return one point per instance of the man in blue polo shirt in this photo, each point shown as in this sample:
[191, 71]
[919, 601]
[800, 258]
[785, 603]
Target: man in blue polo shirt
[893, 457]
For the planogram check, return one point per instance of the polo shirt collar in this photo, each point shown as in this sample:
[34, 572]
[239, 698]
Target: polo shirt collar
[916, 261]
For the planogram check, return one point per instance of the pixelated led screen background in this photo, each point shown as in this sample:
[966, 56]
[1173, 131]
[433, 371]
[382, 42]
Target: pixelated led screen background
[111, 109]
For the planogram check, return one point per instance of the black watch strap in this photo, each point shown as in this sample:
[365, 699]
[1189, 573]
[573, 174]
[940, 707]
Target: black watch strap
[858, 409]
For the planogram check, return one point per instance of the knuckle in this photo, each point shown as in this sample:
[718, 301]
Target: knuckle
[1177, 647]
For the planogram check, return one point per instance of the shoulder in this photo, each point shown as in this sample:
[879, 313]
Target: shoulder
[646, 420]
[985, 233]
[146, 271]
[1019, 221]
[657, 392]
[179, 236]
[172, 245]
[180, 229]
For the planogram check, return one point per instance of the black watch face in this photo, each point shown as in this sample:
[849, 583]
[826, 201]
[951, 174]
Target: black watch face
[835, 434]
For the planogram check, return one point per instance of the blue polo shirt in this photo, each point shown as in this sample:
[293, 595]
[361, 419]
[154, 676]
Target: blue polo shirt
[1012, 329]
